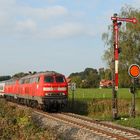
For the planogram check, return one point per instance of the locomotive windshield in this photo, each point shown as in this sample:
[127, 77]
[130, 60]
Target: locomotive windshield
[52, 79]
[59, 79]
[49, 79]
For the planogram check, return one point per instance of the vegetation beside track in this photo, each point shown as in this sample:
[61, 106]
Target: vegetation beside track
[97, 104]
[17, 124]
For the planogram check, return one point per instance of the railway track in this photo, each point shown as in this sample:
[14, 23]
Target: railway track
[105, 130]
[115, 129]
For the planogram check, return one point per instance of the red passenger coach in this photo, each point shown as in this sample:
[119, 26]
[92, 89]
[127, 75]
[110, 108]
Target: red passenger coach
[47, 90]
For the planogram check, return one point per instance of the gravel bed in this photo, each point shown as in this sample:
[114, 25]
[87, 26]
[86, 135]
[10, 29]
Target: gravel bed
[65, 131]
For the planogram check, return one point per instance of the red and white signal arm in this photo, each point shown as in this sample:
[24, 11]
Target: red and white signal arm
[134, 71]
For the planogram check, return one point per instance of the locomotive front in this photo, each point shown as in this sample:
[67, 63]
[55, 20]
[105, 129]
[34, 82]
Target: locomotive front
[55, 90]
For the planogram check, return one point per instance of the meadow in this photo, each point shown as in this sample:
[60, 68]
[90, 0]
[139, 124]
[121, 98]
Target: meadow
[105, 93]
[97, 104]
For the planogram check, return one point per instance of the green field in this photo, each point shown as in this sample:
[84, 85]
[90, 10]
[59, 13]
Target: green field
[97, 93]
[97, 103]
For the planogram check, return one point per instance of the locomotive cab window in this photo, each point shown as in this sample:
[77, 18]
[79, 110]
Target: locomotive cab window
[49, 79]
[59, 79]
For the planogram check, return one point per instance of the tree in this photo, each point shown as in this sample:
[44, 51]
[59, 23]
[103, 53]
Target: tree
[3, 78]
[108, 74]
[129, 42]
[20, 75]
[86, 79]
[102, 73]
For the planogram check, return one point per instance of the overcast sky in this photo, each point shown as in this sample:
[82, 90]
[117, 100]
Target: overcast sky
[59, 35]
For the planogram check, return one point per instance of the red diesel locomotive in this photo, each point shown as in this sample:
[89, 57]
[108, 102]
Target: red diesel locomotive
[46, 90]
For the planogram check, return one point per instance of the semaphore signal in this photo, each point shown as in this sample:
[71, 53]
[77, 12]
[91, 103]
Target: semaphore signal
[117, 21]
[116, 26]
[133, 20]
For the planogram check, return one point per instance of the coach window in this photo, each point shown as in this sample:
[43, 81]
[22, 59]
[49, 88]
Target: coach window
[48, 79]
[7, 83]
[28, 81]
[25, 81]
[1, 87]
[31, 80]
[34, 80]
[21, 81]
[37, 79]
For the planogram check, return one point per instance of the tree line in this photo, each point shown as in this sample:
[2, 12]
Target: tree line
[15, 76]
[90, 78]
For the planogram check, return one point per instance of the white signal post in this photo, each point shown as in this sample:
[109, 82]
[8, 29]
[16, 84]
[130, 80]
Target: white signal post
[116, 24]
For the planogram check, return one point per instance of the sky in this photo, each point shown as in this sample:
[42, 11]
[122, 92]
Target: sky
[58, 35]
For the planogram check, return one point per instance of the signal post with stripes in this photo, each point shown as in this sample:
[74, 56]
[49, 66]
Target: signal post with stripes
[117, 21]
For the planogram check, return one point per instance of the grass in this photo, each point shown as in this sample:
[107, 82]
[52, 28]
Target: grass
[97, 104]
[130, 122]
[96, 93]
[17, 124]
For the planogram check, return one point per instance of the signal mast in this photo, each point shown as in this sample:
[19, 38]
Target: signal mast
[117, 21]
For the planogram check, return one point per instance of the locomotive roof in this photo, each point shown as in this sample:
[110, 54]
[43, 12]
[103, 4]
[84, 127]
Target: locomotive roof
[33, 75]
[42, 73]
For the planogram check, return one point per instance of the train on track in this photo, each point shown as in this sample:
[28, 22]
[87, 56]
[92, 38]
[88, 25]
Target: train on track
[46, 90]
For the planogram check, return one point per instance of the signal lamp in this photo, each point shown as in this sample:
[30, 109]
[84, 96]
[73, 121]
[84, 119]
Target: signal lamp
[119, 24]
[115, 14]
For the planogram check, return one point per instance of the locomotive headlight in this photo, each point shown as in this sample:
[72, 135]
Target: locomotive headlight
[62, 88]
[47, 89]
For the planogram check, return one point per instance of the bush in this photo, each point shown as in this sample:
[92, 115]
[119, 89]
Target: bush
[16, 123]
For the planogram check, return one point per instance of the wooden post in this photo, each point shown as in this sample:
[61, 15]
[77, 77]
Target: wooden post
[133, 102]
